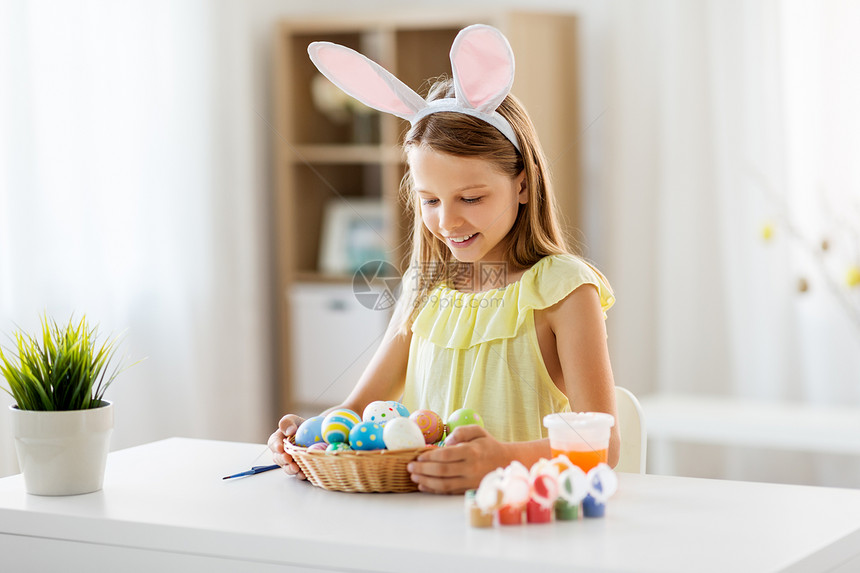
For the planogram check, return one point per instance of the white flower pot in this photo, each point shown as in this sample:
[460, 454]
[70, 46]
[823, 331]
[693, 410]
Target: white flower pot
[63, 453]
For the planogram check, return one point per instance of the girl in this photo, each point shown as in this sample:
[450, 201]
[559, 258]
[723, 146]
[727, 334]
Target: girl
[495, 314]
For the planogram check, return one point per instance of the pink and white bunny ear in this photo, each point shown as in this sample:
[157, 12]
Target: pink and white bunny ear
[365, 80]
[483, 65]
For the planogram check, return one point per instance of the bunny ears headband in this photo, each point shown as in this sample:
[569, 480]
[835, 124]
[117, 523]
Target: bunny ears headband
[482, 62]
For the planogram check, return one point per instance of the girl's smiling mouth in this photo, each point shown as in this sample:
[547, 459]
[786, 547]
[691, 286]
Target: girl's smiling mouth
[463, 241]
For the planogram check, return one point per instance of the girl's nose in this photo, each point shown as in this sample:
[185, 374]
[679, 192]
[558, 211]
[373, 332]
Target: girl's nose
[449, 218]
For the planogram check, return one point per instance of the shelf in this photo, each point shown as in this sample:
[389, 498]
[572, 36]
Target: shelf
[314, 277]
[373, 154]
[323, 278]
[323, 158]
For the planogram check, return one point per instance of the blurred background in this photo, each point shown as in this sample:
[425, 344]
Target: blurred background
[718, 189]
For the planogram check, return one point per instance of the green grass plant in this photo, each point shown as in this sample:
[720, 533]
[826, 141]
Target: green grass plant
[65, 368]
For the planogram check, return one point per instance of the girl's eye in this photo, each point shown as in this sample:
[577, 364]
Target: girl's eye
[429, 201]
[471, 199]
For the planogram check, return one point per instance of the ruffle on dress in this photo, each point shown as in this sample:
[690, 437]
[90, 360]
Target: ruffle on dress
[455, 319]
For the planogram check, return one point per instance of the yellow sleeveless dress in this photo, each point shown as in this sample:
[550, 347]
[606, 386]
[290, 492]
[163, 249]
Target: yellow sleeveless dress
[480, 350]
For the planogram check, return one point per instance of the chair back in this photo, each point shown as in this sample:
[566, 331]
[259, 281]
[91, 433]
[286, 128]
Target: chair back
[631, 424]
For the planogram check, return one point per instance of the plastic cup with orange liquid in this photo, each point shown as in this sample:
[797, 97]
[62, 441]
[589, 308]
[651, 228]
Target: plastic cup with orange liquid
[583, 437]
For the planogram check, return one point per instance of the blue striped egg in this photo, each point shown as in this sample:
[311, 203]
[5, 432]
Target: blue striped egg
[337, 424]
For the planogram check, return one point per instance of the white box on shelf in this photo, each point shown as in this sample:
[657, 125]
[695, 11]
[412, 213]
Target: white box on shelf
[333, 338]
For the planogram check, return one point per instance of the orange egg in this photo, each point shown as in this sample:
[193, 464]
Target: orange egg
[430, 423]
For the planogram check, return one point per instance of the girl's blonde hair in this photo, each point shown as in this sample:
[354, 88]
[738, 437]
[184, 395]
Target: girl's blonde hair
[536, 232]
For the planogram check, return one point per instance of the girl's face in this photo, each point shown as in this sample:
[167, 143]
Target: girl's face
[466, 202]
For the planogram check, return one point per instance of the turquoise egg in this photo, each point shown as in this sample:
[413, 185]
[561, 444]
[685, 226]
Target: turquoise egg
[310, 432]
[338, 447]
[366, 436]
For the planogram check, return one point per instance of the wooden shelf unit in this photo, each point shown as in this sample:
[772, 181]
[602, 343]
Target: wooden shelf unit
[317, 159]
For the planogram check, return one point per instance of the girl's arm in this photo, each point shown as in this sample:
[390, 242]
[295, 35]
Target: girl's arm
[383, 379]
[385, 376]
[580, 333]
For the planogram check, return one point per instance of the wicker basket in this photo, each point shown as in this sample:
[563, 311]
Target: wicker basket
[356, 471]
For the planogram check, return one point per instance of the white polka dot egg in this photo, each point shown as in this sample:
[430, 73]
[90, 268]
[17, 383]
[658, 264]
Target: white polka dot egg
[380, 412]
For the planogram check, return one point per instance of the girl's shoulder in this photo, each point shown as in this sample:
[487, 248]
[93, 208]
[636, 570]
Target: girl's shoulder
[554, 277]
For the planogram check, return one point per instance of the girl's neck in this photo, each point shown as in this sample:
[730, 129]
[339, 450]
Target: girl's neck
[483, 276]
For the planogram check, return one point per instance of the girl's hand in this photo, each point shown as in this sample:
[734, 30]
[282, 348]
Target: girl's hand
[288, 426]
[469, 454]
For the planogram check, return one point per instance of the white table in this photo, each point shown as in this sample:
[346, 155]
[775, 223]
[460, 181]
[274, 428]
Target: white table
[164, 507]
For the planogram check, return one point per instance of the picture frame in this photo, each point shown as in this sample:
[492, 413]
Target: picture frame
[353, 233]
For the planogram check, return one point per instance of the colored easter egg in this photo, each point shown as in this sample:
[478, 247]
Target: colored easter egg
[321, 446]
[430, 423]
[310, 432]
[337, 424]
[464, 417]
[336, 429]
[346, 413]
[337, 447]
[400, 408]
[380, 412]
[402, 434]
[366, 436]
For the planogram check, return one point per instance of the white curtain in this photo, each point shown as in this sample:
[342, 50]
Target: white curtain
[727, 117]
[129, 194]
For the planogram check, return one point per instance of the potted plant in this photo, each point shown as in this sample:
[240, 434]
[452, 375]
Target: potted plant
[61, 422]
